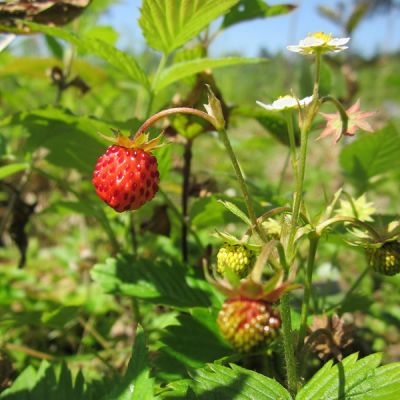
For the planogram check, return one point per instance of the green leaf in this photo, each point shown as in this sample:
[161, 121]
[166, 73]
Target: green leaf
[371, 156]
[194, 341]
[354, 379]
[117, 58]
[45, 384]
[219, 382]
[184, 69]
[155, 281]
[169, 24]
[72, 141]
[274, 123]
[54, 46]
[247, 10]
[11, 169]
[137, 383]
[234, 209]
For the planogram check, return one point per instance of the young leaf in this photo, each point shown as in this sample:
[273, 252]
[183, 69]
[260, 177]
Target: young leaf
[236, 211]
[228, 238]
[169, 24]
[11, 169]
[184, 69]
[136, 384]
[117, 58]
[247, 10]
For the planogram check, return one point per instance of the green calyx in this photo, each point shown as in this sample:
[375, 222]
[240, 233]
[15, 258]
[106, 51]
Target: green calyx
[235, 258]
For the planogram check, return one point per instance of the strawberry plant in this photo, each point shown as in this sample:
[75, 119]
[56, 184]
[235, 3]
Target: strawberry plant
[239, 239]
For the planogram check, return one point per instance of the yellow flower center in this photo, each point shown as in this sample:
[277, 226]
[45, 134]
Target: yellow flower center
[321, 35]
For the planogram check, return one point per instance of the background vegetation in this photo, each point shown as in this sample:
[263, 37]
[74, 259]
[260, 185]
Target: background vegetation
[76, 277]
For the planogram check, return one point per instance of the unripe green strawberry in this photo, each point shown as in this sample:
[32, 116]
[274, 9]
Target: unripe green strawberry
[126, 178]
[235, 257]
[247, 323]
[385, 259]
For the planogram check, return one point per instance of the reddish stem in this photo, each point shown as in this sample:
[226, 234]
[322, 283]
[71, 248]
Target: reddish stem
[165, 113]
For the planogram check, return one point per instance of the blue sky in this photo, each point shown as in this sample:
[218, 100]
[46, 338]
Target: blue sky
[379, 33]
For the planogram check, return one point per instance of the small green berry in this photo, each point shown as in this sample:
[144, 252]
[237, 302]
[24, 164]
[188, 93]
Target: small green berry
[385, 259]
[236, 258]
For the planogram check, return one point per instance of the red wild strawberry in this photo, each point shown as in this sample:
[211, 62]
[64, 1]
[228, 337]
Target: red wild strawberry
[247, 323]
[126, 175]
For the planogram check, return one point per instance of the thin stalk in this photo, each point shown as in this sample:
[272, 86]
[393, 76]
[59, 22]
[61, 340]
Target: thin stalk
[353, 287]
[243, 187]
[317, 75]
[307, 289]
[30, 352]
[298, 195]
[136, 312]
[175, 210]
[292, 143]
[133, 234]
[187, 164]
[288, 347]
[160, 69]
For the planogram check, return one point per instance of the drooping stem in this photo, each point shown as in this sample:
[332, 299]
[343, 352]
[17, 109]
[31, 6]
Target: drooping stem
[353, 221]
[171, 111]
[288, 347]
[343, 114]
[224, 137]
[307, 289]
[187, 163]
[243, 187]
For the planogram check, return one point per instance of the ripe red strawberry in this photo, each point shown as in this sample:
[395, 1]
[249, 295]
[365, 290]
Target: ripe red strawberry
[247, 323]
[126, 177]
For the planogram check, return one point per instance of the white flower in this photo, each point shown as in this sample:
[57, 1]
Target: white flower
[320, 42]
[286, 103]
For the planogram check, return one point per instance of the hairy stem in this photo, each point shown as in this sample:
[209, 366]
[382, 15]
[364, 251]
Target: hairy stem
[288, 347]
[298, 194]
[307, 289]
